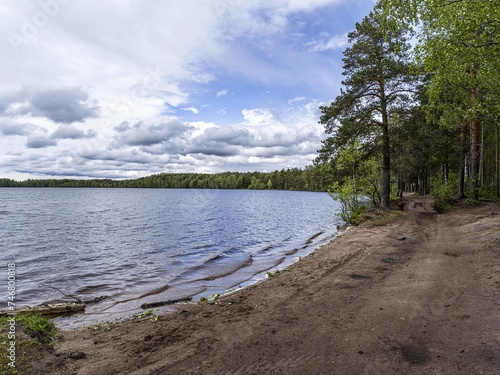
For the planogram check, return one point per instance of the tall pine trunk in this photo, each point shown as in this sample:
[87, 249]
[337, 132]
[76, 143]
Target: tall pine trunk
[497, 166]
[475, 137]
[475, 150]
[463, 153]
[386, 166]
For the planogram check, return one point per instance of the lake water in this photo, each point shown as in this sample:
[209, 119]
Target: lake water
[138, 246]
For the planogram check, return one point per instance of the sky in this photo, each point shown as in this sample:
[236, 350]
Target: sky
[128, 88]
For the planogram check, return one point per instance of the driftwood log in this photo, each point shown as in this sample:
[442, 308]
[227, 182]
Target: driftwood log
[48, 309]
[164, 303]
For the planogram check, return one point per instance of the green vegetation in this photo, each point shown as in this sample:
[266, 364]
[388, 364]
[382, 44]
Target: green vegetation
[379, 82]
[381, 217]
[356, 216]
[276, 273]
[213, 299]
[459, 51]
[422, 119]
[35, 336]
[312, 178]
[445, 193]
[144, 314]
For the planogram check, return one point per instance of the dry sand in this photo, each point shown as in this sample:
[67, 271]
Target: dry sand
[418, 296]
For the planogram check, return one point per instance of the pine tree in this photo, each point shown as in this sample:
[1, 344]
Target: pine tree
[378, 82]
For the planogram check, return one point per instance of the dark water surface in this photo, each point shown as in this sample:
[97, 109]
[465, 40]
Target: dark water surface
[160, 244]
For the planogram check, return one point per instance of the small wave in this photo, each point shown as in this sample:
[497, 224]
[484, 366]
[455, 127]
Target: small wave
[291, 252]
[89, 289]
[5, 212]
[218, 266]
[103, 211]
[275, 264]
[193, 252]
[215, 257]
[310, 240]
[203, 246]
[155, 291]
[247, 263]
[267, 248]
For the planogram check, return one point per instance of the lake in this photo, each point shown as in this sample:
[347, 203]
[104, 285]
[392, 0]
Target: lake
[143, 246]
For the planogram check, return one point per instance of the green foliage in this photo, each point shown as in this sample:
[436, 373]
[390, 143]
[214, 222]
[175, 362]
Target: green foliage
[355, 218]
[444, 193]
[144, 314]
[358, 181]
[469, 192]
[347, 197]
[459, 46]
[379, 82]
[40, 325]
[35, 335]
[487, 192]
[311, 178]
[276, 273]
[384, 217]
[213, 299]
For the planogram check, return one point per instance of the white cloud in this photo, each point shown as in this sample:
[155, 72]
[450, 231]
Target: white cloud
[258, 117]
[73, 71]
[221, 93]
[296, 100]
[192, 109]
[326, 42]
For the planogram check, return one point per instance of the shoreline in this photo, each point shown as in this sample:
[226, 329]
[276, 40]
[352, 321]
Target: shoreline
[419, 295]
[164, 305]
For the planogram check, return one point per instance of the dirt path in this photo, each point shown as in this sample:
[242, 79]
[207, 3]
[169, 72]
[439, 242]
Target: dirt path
[419, 296]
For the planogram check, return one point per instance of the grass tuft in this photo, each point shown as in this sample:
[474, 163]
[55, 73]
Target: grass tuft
[35, 337]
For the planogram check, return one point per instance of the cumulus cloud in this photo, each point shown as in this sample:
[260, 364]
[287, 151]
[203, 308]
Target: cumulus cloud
[65, 105]
[258, 116]
[61, 105]
[117, 158]
[142, 134]
[142, 65]
[9, 128]
[10, 97]
[265, 141]
[70, 132]
[219, 141]
[37, 141]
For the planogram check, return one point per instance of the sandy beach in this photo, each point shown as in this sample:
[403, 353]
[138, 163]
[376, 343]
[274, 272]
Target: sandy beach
[420, 295]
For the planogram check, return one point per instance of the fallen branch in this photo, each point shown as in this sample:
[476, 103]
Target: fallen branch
[145, 306]
[48, 309]
[60, 291]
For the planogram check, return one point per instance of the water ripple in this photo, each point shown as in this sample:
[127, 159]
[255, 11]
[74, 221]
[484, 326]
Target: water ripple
[125, 243]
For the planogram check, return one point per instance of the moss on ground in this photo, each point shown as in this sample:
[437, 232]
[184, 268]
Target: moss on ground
[377, 217]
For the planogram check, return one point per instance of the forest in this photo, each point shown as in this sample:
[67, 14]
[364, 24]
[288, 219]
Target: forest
[311, 178]
[419, 107]
[418, 111]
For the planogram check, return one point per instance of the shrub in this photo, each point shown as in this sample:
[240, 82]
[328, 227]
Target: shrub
[444, 193]
[348, 199]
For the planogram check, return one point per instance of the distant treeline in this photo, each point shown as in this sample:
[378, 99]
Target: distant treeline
[313, 178]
